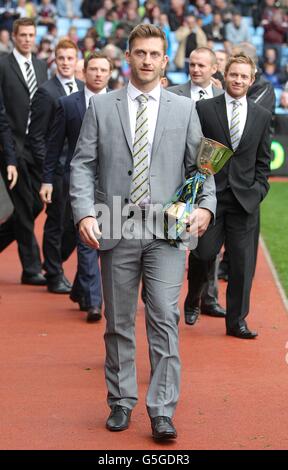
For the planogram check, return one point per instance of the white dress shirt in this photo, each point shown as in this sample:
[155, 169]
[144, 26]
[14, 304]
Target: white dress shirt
[89, 93]
[208, 92]
[152, 113]
[64, 82]
[21, 59]
[242, 111]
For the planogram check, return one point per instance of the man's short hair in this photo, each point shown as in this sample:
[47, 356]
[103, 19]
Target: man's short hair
[207, 50]
[65, 44]
[144, 31]
[241, 58]
[23, 22]
[98, 55]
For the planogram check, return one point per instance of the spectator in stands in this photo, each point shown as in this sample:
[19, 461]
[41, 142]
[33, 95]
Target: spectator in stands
[8, 14]
[45, 50]
[106, 25]
[52, 34]
[79, 70]
[26, 9]
[222, 57]
[190, 36]
[120, 38]
[215, 31]
[284, 100]
[89, 45]
[6, 45]
[72, 34]
[176, 14]
[131, 19]
[245, 6]
[46, 13]
[271, 74]
[237, 30]
[204, 12]
[221, 6]
[275, 31]
[89, 8]
[69, 8]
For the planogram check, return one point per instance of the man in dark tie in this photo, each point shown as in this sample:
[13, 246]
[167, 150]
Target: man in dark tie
[97, 70]
[20, 74]
[134, 148]
[59, 234]
[241, 185]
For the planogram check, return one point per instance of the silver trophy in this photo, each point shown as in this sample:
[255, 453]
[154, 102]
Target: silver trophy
[212, 156]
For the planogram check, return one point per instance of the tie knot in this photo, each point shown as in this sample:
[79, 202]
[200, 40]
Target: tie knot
[70, 86]
[27, 64]
[142, 99]
[236, 103]
[201, 94]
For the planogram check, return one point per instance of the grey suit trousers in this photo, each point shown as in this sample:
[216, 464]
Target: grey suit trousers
[163, 268]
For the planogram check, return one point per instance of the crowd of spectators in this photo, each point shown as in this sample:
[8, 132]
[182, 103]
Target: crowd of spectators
[106, 24]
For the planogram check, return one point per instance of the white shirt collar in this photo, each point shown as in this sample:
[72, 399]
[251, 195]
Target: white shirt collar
[229, 99]
[21, 58]
[63, 80]
[208, 90]
[133, 92]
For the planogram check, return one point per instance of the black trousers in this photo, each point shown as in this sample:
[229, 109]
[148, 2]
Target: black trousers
[237, 228]
[59, 239]
[28, 205]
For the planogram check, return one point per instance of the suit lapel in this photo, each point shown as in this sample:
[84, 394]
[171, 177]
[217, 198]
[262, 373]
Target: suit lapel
[250, 120]
[161, 120]
[122, 106]
[17, 70]
[220, 107]
[59, 86]
[81, 103]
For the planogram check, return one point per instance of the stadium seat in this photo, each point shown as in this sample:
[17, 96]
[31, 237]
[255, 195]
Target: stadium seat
[83, 23]
[63, 25]
[40, 32]
[177, 78]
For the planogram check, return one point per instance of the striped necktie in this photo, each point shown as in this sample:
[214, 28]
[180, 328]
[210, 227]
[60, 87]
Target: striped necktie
[31, 79]
[140, 188]
[235, 125]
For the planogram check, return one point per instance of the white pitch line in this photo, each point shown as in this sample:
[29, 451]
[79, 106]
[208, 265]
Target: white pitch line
[274, 274]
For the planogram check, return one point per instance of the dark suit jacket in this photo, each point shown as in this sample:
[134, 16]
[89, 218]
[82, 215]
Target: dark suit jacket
[43, 110]
[67, 123]
[185, 90]
[248, 169]
[7, 147]
[15, 95]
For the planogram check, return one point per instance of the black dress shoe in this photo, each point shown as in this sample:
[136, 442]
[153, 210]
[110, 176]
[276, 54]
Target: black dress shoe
[93, 314]
[213, 310]
[222, 274]
[80, 300]
[66, 281]
[58, 286]
[191, 316]
[242, 332]
[119, 418]
[33, 280]
[162, 428]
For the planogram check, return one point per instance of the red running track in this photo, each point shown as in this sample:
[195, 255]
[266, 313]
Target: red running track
[53, 396]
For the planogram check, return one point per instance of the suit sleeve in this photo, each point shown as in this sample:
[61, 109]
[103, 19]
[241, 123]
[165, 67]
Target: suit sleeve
[6, 138]
[55, 144]
[207, 197]
[263, 159]
[41, 112]
[83, 167]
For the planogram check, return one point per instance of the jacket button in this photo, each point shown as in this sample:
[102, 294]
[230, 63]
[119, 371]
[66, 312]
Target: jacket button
[129, 172]
[126, 200]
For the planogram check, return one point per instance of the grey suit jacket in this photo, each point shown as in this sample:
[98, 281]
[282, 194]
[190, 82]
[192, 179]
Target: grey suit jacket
[185, 90]
[105, 149]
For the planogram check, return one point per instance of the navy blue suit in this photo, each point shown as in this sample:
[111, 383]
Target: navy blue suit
[67, 124]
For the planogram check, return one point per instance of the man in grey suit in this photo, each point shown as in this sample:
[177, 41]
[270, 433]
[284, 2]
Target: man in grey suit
[106, 163]
[202, 67]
